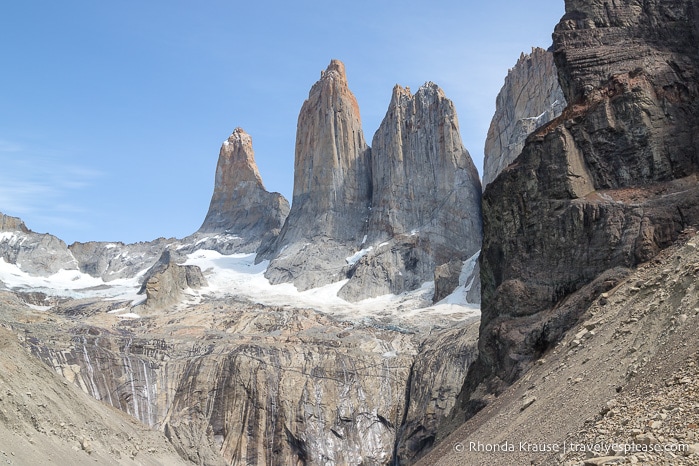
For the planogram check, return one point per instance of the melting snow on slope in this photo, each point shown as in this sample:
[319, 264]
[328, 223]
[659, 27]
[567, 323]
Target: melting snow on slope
[70, 283]
[238, 275]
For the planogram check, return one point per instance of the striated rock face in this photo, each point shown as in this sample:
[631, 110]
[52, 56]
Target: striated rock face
[530, 98]
[231, 382]
[240, 204]
[332, 188]
[608, 184]
[425, 208]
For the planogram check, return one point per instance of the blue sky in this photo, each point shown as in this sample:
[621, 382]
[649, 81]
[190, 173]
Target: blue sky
[113, 113]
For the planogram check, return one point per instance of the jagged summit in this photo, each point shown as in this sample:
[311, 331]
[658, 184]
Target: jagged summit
[529, 98]
[425, 208]
[332, 187]
[240, 204]
[410, 204]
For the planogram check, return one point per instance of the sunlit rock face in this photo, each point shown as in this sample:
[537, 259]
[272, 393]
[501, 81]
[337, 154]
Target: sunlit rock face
[530, 98]
[332, 188]
[383, 218]
[235, 383]
[240, 204]
[426, 196]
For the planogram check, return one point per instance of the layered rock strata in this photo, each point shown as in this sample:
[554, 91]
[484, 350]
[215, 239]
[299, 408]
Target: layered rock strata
[608, 184]
[240, 205]
[425, 207]
[332, 188]
[530, 98]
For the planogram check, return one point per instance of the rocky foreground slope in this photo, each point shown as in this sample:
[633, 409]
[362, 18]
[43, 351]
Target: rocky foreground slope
[46, 420]
[597, 191]
[625, 376]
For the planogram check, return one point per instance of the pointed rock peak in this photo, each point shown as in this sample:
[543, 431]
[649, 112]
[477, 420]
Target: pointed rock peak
[238, 152]
[240, 203]
[399, 92]
[239, 137]
[336, 69]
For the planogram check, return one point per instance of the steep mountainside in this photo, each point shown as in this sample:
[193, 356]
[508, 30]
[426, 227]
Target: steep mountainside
[332, 188]
[425, 207]
[383, 218]
[608, 184]
[530, 98]
[232, 382]
[240, 204]
[46, 420]
[624, 377]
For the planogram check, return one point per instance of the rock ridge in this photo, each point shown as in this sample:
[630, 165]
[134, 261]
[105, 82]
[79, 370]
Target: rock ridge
[600, 189]
[530, 97]
[383, 218]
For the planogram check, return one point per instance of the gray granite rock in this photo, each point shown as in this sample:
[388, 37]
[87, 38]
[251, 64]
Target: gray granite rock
[530, 98]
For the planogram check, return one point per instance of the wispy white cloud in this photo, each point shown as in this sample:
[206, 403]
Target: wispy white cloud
[39, 186]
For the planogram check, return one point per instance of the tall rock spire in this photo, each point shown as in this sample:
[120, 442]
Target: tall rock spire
[240, 204]
[332, 188]
[425, 196]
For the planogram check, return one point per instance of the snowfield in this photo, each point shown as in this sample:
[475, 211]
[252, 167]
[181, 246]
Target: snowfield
[238, 275]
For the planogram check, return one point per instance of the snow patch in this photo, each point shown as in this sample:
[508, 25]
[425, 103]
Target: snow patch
[354, 258]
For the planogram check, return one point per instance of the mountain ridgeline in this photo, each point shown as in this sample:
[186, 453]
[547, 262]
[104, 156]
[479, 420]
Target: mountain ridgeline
[383, 217]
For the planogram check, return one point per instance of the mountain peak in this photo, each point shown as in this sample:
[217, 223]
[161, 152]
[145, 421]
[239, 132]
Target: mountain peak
[240, 204]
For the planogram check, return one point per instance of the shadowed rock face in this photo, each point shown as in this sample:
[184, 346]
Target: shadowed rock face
[240, 204]
[332, 188]
[530, 98]
[425, 208]
[608, 184]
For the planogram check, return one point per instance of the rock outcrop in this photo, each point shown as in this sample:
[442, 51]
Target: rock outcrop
[231, 382]
[112, 261]
[332, 188]
[240, 205]
[605, 186]
[530, 98]
[166, 281]
[425, 207]
[34, 253]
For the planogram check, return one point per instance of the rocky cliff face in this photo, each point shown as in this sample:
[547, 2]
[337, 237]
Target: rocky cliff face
[383, 218]
[240, 205]
[230, 382]
[34, 253]
[608, 184]
[425, 207]
[530, 98]
[332, 188]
